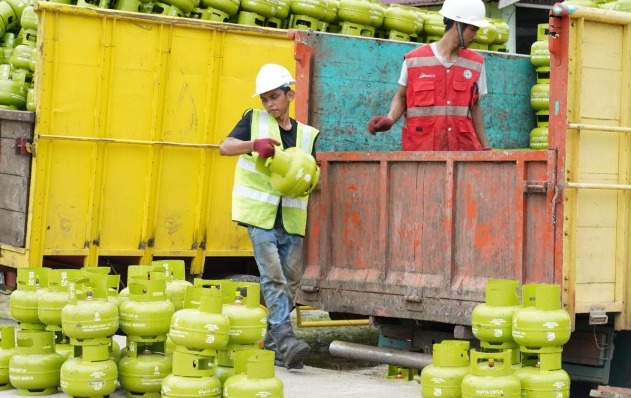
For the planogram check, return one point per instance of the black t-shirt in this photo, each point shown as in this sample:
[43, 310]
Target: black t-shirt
[243, 131]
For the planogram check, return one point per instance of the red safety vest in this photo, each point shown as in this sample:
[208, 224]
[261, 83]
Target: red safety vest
[439, 100]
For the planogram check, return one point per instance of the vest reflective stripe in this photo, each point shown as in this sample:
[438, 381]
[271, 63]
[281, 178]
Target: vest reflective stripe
[433, 61]
[254, 202]
[253, 194]
[295, 202]
[438, 110]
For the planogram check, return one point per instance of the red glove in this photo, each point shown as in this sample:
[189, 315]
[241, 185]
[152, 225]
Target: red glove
[379, 123]
[264, 146]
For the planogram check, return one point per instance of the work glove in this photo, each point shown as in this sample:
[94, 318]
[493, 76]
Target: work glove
[264, 147]
[379, 123]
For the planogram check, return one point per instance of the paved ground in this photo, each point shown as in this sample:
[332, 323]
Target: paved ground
[312, 382]
[318, 383]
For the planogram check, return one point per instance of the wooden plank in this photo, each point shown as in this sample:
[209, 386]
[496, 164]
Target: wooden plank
[12, 227]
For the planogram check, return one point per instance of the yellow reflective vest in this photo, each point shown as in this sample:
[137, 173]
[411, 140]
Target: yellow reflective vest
[254, 202]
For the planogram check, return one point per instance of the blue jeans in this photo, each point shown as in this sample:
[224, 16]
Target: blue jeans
[279, 259]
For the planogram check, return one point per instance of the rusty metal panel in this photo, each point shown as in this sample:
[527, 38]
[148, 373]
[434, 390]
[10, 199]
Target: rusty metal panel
[417, 234]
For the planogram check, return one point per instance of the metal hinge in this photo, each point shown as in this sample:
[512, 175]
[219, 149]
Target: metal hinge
[23, 146]
[597, 315]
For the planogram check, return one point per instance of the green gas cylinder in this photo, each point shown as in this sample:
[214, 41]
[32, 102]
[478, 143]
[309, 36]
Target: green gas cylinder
[204, 327]
[443, 378]
[143, 369]
[133, 270]
[400, 18]
[502, 30]
[491, 376]
[540, 53]
[539, 138]
[541, 322]
[294, 172]
[89, 314]
[354, 11]
[112, 282]
[377, 14]
[93, 374]
[265, 8]
[312, 8]
[34, 368]
[248, 320]
[29, 18]
[192, 376]
[51, 302]
[147, 313]
[540, 96]
[486, 35]
[224, 367]
[175, 277]
[7, 350]
[545, 379]
[434, 25]
[492, 321]
[31, 285]
[254, 379]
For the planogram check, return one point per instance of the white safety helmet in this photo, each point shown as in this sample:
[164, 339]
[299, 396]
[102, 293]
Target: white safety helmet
[271, 77]
[471, 12]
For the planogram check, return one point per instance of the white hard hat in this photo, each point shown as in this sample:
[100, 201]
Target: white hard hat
[271, 77]
[471, 12]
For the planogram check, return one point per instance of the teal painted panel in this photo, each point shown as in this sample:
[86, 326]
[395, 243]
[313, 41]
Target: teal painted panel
[354, 78]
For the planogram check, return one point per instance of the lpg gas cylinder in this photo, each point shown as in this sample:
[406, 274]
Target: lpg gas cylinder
[88, 313]
[400, 18]
[541, 322]
[492, 321]
[540, 53]
[133, 270]
[93, 374]
[51, 302]
[7, 350]
[31, 285]
[486, 35]
[434, 25]
[540, 96]
[539, 138]
[255, 379]
[354, 11]
[224, 367]
[248, 320]
[175, 277]
[143, 369]
[545, 378]
[443, 378]
[147, 313]
[491, 376]
[204, 327]
[34, 368]
[192, 376]
[294, 172]
[502, 30]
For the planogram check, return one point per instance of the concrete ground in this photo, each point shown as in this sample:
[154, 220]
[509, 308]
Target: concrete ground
[312, 382]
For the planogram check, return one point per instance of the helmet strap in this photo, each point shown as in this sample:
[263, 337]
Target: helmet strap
[460, 37]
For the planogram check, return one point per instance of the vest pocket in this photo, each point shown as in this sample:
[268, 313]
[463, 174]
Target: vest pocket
[418, 136]
[423, 92]
[467, 138]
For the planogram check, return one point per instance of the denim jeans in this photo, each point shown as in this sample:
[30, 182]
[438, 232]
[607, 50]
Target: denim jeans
[279, 259]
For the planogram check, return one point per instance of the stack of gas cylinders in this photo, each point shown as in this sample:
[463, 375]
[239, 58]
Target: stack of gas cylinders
[520, 347]
[199, 339]
[540, 92]
[18, 36]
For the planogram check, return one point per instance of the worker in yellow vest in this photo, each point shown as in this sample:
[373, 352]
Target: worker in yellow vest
[276, 224]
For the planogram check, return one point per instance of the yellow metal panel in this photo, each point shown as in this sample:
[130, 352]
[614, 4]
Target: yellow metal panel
[124, 193]
[131, 111]
[596, 255]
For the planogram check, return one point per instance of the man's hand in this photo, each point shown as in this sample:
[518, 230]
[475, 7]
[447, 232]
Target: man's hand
[264, 147]
[379, 123]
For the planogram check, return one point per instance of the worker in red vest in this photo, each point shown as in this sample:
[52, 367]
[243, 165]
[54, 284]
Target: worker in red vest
[440, 86]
